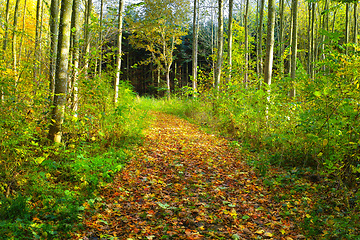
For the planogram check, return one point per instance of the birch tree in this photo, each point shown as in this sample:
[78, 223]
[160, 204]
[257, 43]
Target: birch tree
[119, 53]
[294, 9]
[61, 74]
[219, 57]
[246, 43]
[195, 46]
[230, 40]
[75, 33]
[270, 43]
[259, 56]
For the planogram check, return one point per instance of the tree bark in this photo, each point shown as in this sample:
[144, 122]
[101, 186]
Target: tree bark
[87, 36]
[220, 45]
[16, 13]
[6, 31]
[230, 40]
[100, 36]
[269, 43]
[246, 44]
[22, 31]
[54, 15]
[260, 32]
[195, 47]
[294, 46]
[355, 24]
[61, 74]
[281, 37]
[37, 40]
[75, 25]
[347, 27]
[118, 57]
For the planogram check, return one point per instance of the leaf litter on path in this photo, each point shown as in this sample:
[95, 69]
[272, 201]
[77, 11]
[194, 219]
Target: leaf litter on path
[187, 184]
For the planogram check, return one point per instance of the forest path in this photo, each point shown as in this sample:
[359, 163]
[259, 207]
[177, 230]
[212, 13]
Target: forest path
[187, 184]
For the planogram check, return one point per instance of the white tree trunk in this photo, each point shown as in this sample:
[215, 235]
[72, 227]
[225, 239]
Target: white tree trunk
[118, 57]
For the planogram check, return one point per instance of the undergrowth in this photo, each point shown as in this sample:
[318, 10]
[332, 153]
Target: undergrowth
[44, 188]
[306, 149]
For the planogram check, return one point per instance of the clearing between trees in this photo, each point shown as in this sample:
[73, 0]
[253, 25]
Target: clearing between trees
[188, 184]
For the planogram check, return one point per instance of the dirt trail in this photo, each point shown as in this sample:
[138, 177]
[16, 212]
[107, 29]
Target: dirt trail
[187, 184]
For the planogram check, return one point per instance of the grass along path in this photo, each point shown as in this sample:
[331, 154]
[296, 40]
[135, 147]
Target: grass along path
[187, 184]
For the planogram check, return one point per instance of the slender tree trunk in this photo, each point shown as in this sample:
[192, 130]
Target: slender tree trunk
[270, 43]
[16, 13]
[54, 15]
[87, 36]
[75, 26]
[230, 37]
[5, 40]
[40, 37]
[309, 41]
[100, 35]
[61, 76]
[281, 37]
[294, 46]
[347, 27]
[6, 31]
[118, 57]
[220, 45]
[37, 40]
[246, 43]
[260, 32]
[290, 43]
[355, 24]
[312, 41]
[324, 27]
[22, 31]
[195, 47]
[212, 44]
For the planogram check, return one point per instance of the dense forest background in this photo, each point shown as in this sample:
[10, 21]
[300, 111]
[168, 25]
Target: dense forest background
[78, 79]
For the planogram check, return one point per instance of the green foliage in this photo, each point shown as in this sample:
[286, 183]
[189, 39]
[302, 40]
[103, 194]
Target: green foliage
[44, 188]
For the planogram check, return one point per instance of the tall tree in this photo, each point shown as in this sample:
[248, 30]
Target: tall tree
[100, 35]
[294, 9]
[54, 15]
[37, 41]
[347, 26]
[219, 57]
[23, 31]
[230, 40]
[75, 33]
[16, 13]
[61, 74]
[6, 32]
[246, 27]
[259, 55]
[119, 53]
[195, 46]
[5, 40]
[269, 57]
[355, 23]
[281, 36]
[87, 34]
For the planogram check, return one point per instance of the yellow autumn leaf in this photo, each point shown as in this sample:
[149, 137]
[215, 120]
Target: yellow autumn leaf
[282, 231]
[261, 232]
[268, 234]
